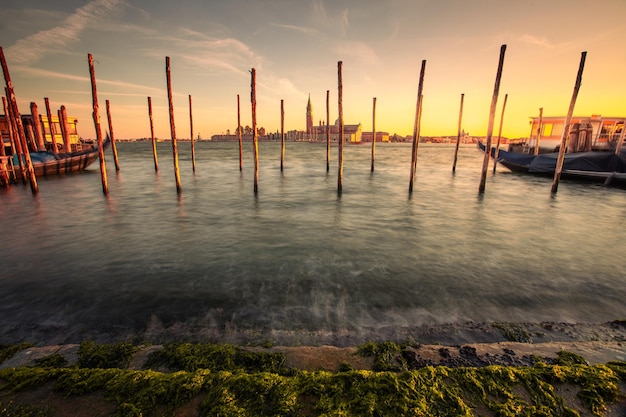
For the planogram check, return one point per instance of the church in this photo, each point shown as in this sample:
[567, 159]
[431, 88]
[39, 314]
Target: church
[351, 133]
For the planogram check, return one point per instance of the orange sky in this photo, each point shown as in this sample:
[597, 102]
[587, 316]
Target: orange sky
[295, 47]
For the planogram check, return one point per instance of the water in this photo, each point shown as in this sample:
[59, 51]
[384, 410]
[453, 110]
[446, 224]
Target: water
[298, 263]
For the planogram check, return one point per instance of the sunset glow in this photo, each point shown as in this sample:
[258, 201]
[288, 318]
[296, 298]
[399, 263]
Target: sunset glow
[295, 46]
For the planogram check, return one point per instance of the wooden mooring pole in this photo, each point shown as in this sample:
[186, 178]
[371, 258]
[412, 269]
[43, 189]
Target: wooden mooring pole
[170, 101]
[566, 127]
[340, 138]
[620, 142]
[458, 135]
[65, 131]
[416, 126]
[255, 136]
[239, 134]
[539, 131]
[282, 134]
[327, 130]
[96, 121]
[154, 145]
[9, 129]
[373, 133]
[51, 128]
[112, 138]
[21, 136]
[193, 147]
[495, 158]
[16, 148]
[492, 114]
[34, 111]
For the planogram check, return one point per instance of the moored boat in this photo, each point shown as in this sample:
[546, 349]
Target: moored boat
[73, 154]
[596, 166]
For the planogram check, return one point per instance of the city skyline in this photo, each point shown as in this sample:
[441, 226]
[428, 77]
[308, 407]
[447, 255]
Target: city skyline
[295, 47]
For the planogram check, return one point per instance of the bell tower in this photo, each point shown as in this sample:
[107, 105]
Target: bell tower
[309, 117]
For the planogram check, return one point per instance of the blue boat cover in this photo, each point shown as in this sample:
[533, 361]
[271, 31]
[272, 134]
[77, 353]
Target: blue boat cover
[582, 161]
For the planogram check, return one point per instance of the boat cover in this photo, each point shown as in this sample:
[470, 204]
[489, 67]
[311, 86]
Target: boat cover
[582, 161]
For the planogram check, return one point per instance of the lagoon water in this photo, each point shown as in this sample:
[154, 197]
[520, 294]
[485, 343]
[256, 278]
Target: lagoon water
[299, 263]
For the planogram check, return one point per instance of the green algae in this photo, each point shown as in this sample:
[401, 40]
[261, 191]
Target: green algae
[514, 332]
[7, 351]
[217, 357]
[228, 381]
[497, 390]
[93, 355]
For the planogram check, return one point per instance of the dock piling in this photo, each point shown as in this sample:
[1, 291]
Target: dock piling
[566, 127]
[458, 135]
[416, 125]
[193, 147]
[492, 114]
[170, 101]
[96, 121]
[255, 135]
[340, 138]
[153, 139]
[112, 138]
[373, 133]
[495, 158]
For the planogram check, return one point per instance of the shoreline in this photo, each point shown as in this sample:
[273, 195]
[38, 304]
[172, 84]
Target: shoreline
[463, 344]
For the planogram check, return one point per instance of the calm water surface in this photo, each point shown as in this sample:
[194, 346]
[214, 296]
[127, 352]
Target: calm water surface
[299, 263]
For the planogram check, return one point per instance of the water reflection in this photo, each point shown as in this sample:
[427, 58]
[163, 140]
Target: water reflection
[298, 259]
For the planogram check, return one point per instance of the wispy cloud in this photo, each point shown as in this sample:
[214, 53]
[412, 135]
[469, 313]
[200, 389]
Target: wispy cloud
[138, 88]
[221, 53]
[533, 40]
[319, 11]
[34, 47]
[357, 50]
[301, 29]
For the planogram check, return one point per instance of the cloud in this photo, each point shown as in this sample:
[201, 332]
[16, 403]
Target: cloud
[301, 29]
[533, 40]
[319, 10]
[39, 73]
[358, 50]
[34, 47]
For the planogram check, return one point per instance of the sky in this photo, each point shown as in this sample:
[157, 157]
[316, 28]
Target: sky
[295, 46]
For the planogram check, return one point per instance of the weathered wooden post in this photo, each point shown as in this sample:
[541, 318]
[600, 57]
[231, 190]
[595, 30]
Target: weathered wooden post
[16, 145]
[373, 133]
[65, 130]
[327, 131]
[458, 135]
[495, 158]
[282, 134]
[255, 137]
[9, 130]
[12, 101]
[239, 133]
[340, 138]
[539, 130]
[112, 138]
[152, 138]
[568, 120]
[193, 147]
[96, 121]
[34, 111]
[16, 148]
[416, 126]
[620, 142]
[55, 147]
[492, 114]
[172, 124]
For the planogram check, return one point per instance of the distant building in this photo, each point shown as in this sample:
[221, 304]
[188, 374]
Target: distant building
[351, 133]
